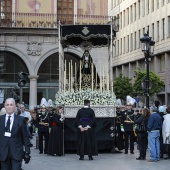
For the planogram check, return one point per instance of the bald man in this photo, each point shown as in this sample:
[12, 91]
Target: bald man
[13, 138]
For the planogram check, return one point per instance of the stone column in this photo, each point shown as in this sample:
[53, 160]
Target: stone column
[33, 91]
[167, 78]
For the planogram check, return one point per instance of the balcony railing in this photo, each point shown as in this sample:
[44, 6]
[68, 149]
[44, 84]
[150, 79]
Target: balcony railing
[40, 20]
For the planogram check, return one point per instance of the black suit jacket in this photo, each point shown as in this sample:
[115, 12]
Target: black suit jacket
[19, 137]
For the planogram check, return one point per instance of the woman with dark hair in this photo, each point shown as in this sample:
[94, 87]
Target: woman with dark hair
[166, 128]
[55, 144]
[142, 133]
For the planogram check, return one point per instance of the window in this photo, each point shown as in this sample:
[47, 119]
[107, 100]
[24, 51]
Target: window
[139, 39]
[157, 4]
[157, 30]
[153, 1]
[163, 2]
[131, 39]
[111, 4]
[128, 16]
[148, 6]
[6, 9]
[169, 26]
[131, 14]
[135, 41]
[135, 12]
[144, 30]
[124, 18]
[115, 49]
[124, 44]
[143, 8]
[120, 46]
[148, 28]
[153, 31]
[121, 20]
[163, 28]
[139, 8]
[162, 63]
[128, 43]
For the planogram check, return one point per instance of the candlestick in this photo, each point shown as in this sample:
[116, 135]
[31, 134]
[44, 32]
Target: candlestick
[103, 80]
[100, 79]
[69, 77]
[65, 77]
[107, 78]
[80, 77]
[96, 78]
[64, 81]
[75, 77]
[92, 77]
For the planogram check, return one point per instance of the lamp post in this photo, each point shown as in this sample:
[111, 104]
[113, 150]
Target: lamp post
[147, 46]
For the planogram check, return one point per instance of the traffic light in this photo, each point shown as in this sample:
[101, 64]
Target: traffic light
[22, 79]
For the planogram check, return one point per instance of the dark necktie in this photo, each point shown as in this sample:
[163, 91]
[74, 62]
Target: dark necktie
[8, 124]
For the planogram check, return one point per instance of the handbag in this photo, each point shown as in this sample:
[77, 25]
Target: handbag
[166, 146]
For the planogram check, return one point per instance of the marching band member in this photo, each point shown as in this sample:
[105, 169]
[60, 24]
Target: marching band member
[119, 133]
[42, 122]
[127, 126]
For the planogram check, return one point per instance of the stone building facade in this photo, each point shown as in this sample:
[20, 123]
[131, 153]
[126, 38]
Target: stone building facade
[136, 17]
[29, 42]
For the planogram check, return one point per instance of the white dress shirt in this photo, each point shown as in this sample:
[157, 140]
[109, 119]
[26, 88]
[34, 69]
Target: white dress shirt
[11, 120]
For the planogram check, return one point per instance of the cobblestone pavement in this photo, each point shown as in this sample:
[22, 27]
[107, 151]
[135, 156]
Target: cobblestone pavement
[104, 161]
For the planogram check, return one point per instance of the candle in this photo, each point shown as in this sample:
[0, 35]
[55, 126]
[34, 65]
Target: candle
[96, 78]
[80, 77]
[65, 72]
[103, 80]
[107, 78]
[92, 77]
[75, 77]
[69, 78]
[64, 81]
[100, 79]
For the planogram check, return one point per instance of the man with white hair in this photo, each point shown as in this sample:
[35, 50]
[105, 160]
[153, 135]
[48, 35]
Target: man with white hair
[13, 137]
[26, 114]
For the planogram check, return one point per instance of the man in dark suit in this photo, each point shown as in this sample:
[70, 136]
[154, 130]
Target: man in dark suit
[13, 138]
[86, 141]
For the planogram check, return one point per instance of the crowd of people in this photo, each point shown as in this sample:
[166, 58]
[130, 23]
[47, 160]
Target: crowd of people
[149, 127]
[47, 122]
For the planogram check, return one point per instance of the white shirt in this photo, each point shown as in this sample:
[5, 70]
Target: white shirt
[11, 120]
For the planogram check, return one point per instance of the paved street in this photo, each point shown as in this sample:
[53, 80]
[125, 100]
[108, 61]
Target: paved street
[104, 161]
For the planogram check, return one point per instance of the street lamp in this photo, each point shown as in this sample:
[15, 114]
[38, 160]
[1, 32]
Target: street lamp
[147, 46]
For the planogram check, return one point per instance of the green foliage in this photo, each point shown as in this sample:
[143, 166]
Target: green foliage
[122, 87]
[156, 84]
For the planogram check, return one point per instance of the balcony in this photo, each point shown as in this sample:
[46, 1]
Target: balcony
[41, 20]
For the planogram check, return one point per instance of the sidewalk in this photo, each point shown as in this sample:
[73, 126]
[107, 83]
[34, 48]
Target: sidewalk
[104, 161]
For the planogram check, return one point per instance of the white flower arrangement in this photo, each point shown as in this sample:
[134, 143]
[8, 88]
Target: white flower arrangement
[77, 98]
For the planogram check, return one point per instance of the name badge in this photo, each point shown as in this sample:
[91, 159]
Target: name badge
[7, 134]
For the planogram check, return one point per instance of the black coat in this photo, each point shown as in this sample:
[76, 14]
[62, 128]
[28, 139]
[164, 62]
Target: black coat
[55, 143]
[19, 138]
[128, 115]
[86, 140]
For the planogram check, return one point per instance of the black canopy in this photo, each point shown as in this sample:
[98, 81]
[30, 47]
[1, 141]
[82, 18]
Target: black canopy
[96, 35]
